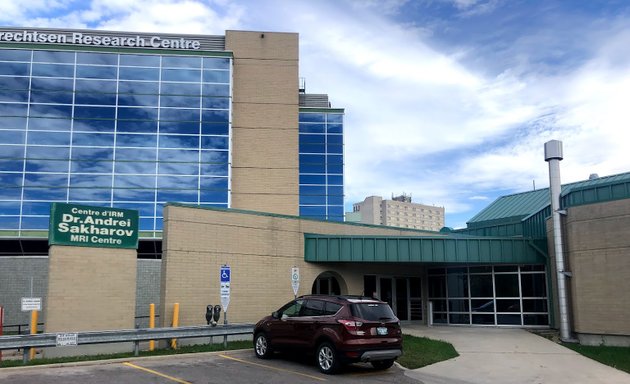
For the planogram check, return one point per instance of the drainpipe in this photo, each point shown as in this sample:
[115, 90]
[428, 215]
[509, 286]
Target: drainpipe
[553, 155]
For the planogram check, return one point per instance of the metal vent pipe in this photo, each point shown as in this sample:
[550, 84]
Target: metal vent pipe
[553, 155]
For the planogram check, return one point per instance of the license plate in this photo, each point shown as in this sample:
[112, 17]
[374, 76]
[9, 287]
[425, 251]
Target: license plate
[381, 330]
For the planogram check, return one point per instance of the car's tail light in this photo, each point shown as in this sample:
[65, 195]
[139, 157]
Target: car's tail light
[353, 327]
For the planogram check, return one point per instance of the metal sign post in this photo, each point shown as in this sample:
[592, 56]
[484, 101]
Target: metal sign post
[295, 280]
[225, 277]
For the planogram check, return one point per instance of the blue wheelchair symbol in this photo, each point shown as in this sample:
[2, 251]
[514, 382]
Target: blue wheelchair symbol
[225, 274]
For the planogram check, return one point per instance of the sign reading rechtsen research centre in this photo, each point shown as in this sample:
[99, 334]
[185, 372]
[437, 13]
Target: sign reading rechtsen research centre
[85, 226]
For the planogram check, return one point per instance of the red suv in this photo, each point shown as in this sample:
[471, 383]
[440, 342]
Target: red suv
[339, 329]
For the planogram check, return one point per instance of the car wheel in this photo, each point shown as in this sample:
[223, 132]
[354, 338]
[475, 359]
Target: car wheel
[383, 364]
[261, 346]
[327, 360]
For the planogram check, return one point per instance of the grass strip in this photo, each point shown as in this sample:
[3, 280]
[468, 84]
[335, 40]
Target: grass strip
[616, 357]
[419, 352]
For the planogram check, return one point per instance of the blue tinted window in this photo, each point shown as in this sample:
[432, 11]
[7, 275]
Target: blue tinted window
[172, 141]
[53, 57]
[9, 208]
[137, 126]
[58, 111]
[13, 96]
[138, 140]
[335, 179]
[11, 137]
[15, 55]
[190, 75]
[45, 180]
[335, 128]
[140, 60]
[185, 127]
[313, 199]
[184, 196]
[215, 142]
[313, 190]
[59, 153]
[11, 165]
[90, 194]
[332, 168]
[335, 160]
[146, 88]
[312, 168]
[41, 193]
[10, 193]
[181, 62]
[13, 109]
[319, 212]
[165, 168]
[179, 155]
[211, 169]
[211, 195]
[138, 100]
[312, 179]
[335, 191]
[97, 58]
[335, 118]
[312, 148]
[46, 165]
[181, 89]
[8, 122]
[45, 84]
[35, 208]
[94, 125]
[87, 181]
[10, 179]
[136, 154]
[130, 194]
[95, 86]
[8, 222]
[53, 70]
[312, 117]
[11, 151]
[312, 139]
[180, 101]
[335, 139]
[216, 76]
[135, 167]
[135, 181]
[35, 222]
[146, 224]
[137, 113]
[92, 153]
[217, 157]
[220, 183]
[14, 82]
[94, 112]
[93, 139]
[215, 116]
[144, 209]
[95, 98]
[312, 128]
[51, 97]
[216, 63]
[215, 102]
[40, 123]
[312, 159]
[334, 148]
[49, 138]
[179, 114]
[91, 166]
[177, 182]
[216, 90]
[215, 128]
[335, 213]
[94, 72]
[128, 73]
[15, 69]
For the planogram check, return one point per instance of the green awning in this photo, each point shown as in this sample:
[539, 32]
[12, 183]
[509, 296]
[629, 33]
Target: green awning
[386, 249]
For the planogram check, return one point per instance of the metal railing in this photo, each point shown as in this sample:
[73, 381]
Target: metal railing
[121, 336]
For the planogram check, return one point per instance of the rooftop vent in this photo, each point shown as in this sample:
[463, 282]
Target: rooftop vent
[593, 176]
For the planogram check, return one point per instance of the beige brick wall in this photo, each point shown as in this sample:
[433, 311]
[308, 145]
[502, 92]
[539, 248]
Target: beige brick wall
[261, 250]
[90, 289]
[598, 247]
[265, 121]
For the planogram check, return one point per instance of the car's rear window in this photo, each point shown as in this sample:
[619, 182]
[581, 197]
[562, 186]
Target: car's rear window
[372, 311]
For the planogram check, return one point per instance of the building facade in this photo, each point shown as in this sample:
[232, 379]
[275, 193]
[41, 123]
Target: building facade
[398, 212]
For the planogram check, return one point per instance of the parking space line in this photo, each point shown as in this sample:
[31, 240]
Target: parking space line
[175, 379]
[274, 368]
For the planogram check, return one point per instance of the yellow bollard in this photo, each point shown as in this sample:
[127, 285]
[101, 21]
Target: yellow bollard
[175, 323]
[151, 324]
[33, 332]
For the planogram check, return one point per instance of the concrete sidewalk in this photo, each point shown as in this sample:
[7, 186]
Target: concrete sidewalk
[505, 355]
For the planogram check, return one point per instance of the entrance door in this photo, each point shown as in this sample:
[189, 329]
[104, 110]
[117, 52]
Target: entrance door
[395, 291]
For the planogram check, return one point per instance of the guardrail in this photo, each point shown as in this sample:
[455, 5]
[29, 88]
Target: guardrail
[120, 336]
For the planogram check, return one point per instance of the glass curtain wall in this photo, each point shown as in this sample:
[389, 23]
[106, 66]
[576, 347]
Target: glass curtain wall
[489, 295]
[125, 130]
[321, 165]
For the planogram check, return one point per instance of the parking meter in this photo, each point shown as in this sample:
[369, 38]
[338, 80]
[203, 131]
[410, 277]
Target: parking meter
[209, 314]
[217, 313]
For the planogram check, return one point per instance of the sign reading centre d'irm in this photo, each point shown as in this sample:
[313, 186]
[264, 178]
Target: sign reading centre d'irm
[85, 226]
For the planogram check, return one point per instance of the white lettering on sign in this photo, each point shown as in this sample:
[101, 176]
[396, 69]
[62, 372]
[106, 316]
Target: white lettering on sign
[67, 339]
[109, 41]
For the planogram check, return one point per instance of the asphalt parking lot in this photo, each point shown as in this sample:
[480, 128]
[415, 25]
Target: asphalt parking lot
[224, 367]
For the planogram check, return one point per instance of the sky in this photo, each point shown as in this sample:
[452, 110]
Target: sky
[450, 101]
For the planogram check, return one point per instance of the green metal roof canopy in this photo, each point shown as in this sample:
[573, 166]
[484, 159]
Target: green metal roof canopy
[385, 249]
